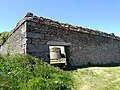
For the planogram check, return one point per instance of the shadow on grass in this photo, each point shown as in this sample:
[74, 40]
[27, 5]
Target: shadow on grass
[71, 68]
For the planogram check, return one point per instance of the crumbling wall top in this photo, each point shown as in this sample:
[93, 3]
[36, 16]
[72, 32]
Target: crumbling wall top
[30, 17]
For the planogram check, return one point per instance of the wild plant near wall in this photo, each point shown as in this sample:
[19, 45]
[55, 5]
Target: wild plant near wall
[24, 72]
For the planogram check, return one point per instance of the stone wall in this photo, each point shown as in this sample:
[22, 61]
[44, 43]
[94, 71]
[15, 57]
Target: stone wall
[86, 45]
[16, 41]
[36, 43]
[34, 35]
[3, 48]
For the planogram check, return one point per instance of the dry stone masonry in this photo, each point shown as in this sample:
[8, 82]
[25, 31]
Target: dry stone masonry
[33, 35]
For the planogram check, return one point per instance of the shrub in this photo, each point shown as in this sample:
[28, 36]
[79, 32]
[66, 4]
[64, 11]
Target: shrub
[29, 73]
[3, 37]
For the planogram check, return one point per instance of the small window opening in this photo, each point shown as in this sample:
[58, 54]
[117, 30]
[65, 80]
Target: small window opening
[57, 56]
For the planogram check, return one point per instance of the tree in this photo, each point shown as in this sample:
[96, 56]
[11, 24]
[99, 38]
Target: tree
[3, 37]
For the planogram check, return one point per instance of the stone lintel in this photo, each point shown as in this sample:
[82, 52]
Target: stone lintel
[58, 43]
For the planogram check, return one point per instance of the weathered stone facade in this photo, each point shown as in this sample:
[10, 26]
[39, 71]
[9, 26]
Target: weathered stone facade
[16, 40]
[33, 35]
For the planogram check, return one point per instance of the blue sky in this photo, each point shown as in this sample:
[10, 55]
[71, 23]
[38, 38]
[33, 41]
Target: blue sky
[103, 15]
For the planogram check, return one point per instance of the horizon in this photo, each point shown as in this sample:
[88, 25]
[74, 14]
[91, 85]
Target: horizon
[97, 15]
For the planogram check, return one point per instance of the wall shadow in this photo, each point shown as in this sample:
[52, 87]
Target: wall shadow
[71, 68]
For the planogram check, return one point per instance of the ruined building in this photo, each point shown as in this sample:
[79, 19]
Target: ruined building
[34, 35]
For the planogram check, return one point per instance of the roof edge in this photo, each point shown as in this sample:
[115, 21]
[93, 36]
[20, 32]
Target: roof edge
[30, 17]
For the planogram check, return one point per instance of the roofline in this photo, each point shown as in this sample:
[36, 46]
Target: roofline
[30, 17]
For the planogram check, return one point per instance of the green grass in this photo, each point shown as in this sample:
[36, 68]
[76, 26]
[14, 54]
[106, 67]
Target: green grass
[24, 72]
[97, 78]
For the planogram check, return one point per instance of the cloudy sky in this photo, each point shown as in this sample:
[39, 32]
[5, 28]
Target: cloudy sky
[103, 15]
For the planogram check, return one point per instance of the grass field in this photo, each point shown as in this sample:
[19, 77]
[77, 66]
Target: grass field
[24, 72]
[97, 78]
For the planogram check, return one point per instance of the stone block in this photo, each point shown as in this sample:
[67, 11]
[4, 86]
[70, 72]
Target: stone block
[34, 35]
[37, 48]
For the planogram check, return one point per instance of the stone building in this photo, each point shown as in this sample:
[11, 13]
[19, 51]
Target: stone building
[34, 35]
